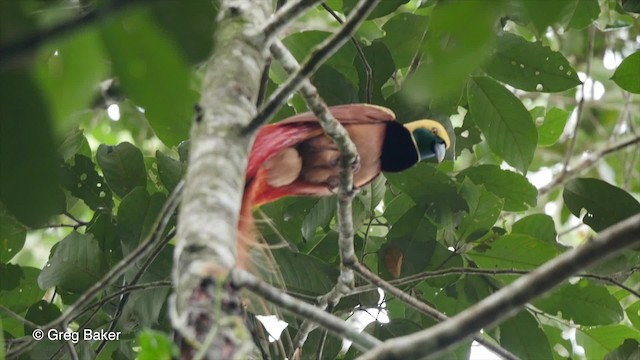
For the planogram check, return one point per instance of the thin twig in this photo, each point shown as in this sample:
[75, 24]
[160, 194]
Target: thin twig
[317, 58]
[588, 162]
[360, 52]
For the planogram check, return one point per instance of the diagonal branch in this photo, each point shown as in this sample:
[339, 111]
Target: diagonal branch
[286, 15]
[506, 301]
[317, 58]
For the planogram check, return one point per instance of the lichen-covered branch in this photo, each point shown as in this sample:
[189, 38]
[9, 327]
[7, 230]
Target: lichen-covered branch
[205, 249]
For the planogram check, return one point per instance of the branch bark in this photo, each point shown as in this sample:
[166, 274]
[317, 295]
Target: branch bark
[205, 249]
[512, 297]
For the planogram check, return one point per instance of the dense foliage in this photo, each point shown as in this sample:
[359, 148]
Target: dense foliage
[539, 95]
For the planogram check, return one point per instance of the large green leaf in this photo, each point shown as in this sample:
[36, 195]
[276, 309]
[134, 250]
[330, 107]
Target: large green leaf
[484, 209]
[514, 188]
[70, 73]
[76, 263]
[28, 171]
[605, 204]
[627, 75]
[583, 303]
[460, 36]
[152, 72]
[334, 87]
[523, 336]
[123, 167]
[599, 341]
[504, 121]
[18, 287]
[548, 13]
[517, 251]
[404, 48]
[41, 313]
[84, 182]
[629, 350]
[530, 66]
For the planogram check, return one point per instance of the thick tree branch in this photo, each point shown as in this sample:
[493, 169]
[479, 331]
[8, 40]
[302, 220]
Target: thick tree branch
[506, 301]
[317, 58]
[205, 250]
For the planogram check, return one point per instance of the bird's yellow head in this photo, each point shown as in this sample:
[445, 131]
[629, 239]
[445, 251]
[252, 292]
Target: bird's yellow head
[430, 138]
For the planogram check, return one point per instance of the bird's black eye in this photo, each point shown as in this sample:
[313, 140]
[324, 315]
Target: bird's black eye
[434, 131]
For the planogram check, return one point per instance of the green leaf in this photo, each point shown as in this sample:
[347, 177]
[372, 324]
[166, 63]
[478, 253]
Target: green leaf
[504, 121]
[584, 13]
[155, 345]
[83, 181]
[428, 187]
[302, 43]
[382, 67]
[320, 215]
[415, 236]
[317, 278]
[514, 188]
[123, 167]
[144, 307]
[28, 172]
[459, 39]
[152, 72]
[170, 170]
[561, 347]
[517, 251]
[523, 336]
[334, 87]
[76, 263]
[402, 47]
[74, 143]
[605, 204]
[136, 216]
[71, 74]
[12, 236]
[189, 24]
[18, 287]
[631, 6]
[554, 121]
[41, 313]
[547, 14]
[467, 135]
[583, 303]
[629, 350]
[530, 66]
[484, 209]
[539, 226]
[627, 75]
[599, 341]
[103, 228]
